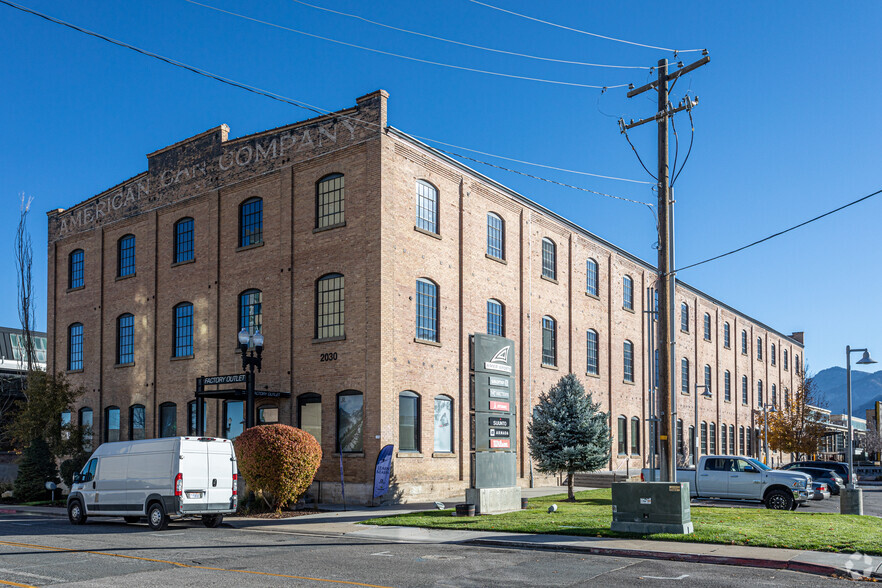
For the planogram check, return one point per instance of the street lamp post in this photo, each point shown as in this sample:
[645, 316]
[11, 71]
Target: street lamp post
[705, 394]
[254, 343]
[851, 500]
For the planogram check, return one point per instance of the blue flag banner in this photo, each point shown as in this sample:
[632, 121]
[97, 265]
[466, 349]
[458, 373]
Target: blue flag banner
[383, 471]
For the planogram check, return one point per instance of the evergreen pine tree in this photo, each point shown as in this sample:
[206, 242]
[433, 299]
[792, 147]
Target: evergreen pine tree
[37, 466]
[568, 432]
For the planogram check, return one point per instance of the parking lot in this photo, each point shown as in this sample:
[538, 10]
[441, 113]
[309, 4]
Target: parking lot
[872, 503]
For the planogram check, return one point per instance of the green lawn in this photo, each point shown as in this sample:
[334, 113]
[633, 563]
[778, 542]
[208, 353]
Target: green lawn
[591, 515]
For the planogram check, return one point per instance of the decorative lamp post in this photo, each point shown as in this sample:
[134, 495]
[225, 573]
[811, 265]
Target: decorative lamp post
[696, 449]
[851, 500]
[254, 343]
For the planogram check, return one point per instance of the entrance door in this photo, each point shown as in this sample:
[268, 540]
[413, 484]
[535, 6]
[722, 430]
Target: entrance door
[234, 418]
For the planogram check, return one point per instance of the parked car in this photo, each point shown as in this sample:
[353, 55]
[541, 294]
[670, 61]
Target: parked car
[829, 477]
[743, 478]
[173, 477]
[840, 467]
[820, 490]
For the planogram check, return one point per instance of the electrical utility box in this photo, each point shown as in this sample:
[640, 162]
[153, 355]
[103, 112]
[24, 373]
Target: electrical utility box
[651, 507]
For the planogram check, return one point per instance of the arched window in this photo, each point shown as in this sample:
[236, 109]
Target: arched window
[703, 438]
[627, 293]
[250, 310]
[350, 422]
[726, 335]
[549, 341]
[623, 435]
[268, 414]
[712, 436]
[495, 318]
[741, 441]
[592, 277]
[759, 348]
[329, 201]
[635, 436]
[426, 310]
[684, 376]
[137, 422]
[727, 386]
[744, 400]
[549, 258]
[495, 236]
[744, 342]
[85, 421]
[408, 421]
[75, 269]
[593, 360]
[251, 222]
[774, 395]
[732, 448]
[684, 317]
[681, 441]
[772, 357]
[182, 329]
[707, 378]
[759, 393]
[443, 424]
[125, 339]
[330, 299]
[75, 347]
[796, 363]
[168, 419]
[125, 265]
[184, 242]
[784, 357]
[426, 207]
[707, 327]
[724, 440]
[628, 361]
[111, 424]
[309, 414]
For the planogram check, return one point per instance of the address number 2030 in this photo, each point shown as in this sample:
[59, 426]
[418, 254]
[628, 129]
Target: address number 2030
[328, 356]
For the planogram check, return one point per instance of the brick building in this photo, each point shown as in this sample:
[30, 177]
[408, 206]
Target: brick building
[150, 281]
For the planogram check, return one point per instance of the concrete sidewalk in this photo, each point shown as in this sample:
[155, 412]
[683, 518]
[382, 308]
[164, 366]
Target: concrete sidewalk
[337, 522]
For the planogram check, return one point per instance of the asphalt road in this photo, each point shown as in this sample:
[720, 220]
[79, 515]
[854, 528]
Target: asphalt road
[872, 503]
[48, 551]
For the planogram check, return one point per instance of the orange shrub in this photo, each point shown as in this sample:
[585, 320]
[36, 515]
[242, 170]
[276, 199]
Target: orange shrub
[278, 460]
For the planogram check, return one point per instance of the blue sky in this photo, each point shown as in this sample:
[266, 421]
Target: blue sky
[787, 127]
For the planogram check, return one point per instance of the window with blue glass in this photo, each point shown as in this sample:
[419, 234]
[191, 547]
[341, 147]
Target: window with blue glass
[744, 342]
[126, 257]
[549, 341]
[591, 274]
[251, 222]
[726, 336]
[628, 360]
[707, 327]
[184, 250]
[125, 339]
[549, 258]
[427, 310]
[727, 386]
[744, 390]
[329, 201]
[593, 360]
[495, 236]
[75, 269]
[427, 207]
[684, 375]
[684, 317]
[75, 346]
[759, 348]
[495, 318]
[250, 311]
[183, 330]
[628, 293]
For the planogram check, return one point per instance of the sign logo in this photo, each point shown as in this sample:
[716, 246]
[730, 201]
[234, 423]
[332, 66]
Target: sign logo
[498, 422]
[500, 444]
[495, 405]
[498, 393]
[499, 361]
[498, 382]
[499, 433]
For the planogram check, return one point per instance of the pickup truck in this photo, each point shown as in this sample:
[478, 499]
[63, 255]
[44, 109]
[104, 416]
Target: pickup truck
[733, 477]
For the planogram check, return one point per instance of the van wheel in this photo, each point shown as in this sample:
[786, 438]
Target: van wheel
[779, 500]
[156, 517]
[132, 520]
[75, 513]
[212, 521]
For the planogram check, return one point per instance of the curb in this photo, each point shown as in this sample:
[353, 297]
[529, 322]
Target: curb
[774, 564]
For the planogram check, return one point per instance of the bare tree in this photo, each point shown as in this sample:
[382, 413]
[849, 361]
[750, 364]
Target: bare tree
[24, 256]
[872, 441]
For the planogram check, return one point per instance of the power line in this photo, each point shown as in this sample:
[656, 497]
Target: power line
[560, 26]
[779, 233]
[284, 99]
[407, 57]
[482, 48]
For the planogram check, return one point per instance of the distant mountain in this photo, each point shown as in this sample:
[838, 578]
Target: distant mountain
[866, 389]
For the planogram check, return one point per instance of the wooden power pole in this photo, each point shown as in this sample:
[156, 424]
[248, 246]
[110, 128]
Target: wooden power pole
[667, 399]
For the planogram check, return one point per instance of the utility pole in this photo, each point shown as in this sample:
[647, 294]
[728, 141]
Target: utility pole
[667, 399]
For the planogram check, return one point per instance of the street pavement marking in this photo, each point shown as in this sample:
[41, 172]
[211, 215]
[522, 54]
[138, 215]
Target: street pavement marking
[680, 577]
[30, 575]
[5, 583]
[178, 564]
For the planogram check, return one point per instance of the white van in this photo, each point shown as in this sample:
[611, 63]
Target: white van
[173, 477]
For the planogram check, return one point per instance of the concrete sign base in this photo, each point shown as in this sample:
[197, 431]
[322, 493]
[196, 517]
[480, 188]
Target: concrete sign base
[851, 501]
[494, 500]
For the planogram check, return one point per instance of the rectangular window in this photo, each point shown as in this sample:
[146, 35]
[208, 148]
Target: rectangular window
[443, 425]
[549, 342]
[251, 222]
[427, 207]
[86, 424]
[408, 421]
[330, 304]
[593, 364]
[183, 331]
[75, 347]
[713, 438]
[125, 339]
[137, 423]
[330, 201]
[75, 269]
[184, 240]
[495, 237]
[126, 256]
[495, 319]
[427, 311]
[350, 422]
